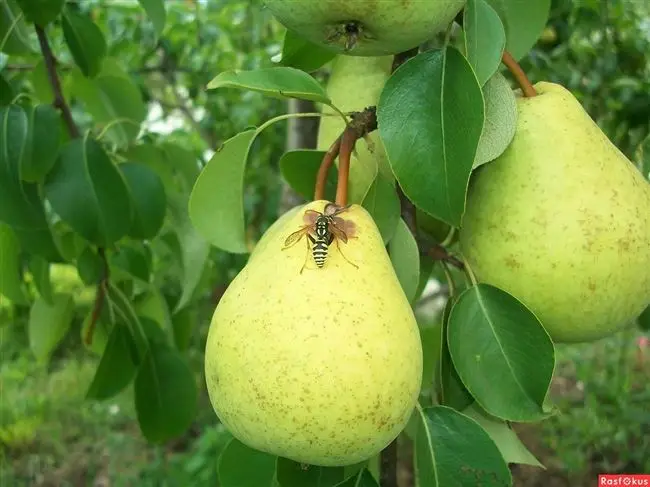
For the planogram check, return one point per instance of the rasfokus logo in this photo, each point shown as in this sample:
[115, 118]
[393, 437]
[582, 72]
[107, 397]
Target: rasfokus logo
[624, 480]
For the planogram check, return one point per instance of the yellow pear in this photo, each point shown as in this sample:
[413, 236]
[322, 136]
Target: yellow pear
[561, 220]
[355, 83]
[322, 366]
[363, 27]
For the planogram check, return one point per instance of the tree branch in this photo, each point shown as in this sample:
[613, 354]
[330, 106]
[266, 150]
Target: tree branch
[388, 466]
[50, 66]
[60, 103]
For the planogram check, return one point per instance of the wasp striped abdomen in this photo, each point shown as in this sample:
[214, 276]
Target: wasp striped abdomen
[321, 243]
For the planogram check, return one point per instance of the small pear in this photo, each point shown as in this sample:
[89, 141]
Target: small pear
[363, 27]
[561, 220]
[354, 84]
[322, 366]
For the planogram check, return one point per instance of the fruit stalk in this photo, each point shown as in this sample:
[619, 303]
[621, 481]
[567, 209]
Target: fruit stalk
[328, 160]
[348, 140]
[519, 74]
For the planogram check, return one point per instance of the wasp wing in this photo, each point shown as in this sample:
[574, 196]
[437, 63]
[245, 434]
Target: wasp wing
[295, 236]
[310, 217]
[347, 227]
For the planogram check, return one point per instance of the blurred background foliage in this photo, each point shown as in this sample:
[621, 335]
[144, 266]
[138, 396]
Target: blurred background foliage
[51, 436]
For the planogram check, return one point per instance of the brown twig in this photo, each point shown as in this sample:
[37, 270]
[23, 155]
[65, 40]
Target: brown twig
[388, 466]
[50, 66]
[526, 86]
[439, 253]
[60, 103]
[348, 140]
[100, 295]
[402, 57]
[407, 210]
[328, 160]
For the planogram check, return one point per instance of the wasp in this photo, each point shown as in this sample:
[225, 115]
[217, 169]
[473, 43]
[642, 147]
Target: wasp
[321, 230]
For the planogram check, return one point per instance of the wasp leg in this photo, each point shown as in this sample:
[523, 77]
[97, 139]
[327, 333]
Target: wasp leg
[343, 255]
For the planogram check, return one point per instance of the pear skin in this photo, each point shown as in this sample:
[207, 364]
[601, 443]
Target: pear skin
[561, 220]
[323, 367]
[364, 27]
[355, 83]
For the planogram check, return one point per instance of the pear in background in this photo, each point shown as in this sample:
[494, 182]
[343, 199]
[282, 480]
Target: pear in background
[365, 28]
[322, 367]
[355, 83]
[561, 220]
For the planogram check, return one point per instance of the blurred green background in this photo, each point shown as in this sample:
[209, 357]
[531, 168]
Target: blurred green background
[51, 436]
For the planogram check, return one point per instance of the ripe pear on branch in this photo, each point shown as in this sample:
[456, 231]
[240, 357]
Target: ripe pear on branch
[319, 365]
[363, 27]
[561, 220]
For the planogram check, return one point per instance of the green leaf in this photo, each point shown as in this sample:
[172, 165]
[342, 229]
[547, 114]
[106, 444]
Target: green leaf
[524, 23]
[643, 157]
[183, 323]
[6, 91]
[48, 324]
[194, 253]
[277, 82]
[156, 12]
[90, 266]
[149, 200]
[293, 474]
[241, 466]
[11, 284]
[41, 12]
[85, 41]
[116, 368]
[132, 260]
[43, 141]
[299, 168]
[40, 271]
[14, 34]
[88, 192]
[382, 202]
[430, 338]
[509, 444]
[20, 204]
[500, 120]
[452, 449]
[644, 319]
[216, 205]
[502, 353]
[452, 390]
[362, 479]
[405, 256]
[301, 54]
[41, 83]
[153, 306]
[437, 92]
[183, 161]
[166, 394]
[485, 38]
[124, 311]
[111, 99]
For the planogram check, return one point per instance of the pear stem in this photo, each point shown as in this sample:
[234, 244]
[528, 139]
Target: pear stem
[519, 74]
[348, 139]
[321, 177]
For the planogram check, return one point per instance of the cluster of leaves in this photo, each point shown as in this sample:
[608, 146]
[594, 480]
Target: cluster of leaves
[88, 184]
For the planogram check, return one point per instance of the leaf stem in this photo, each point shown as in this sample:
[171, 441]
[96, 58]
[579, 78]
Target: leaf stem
[470, 273]
[328, 160]
[286, 116]
[50, 66]
[519, 74]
